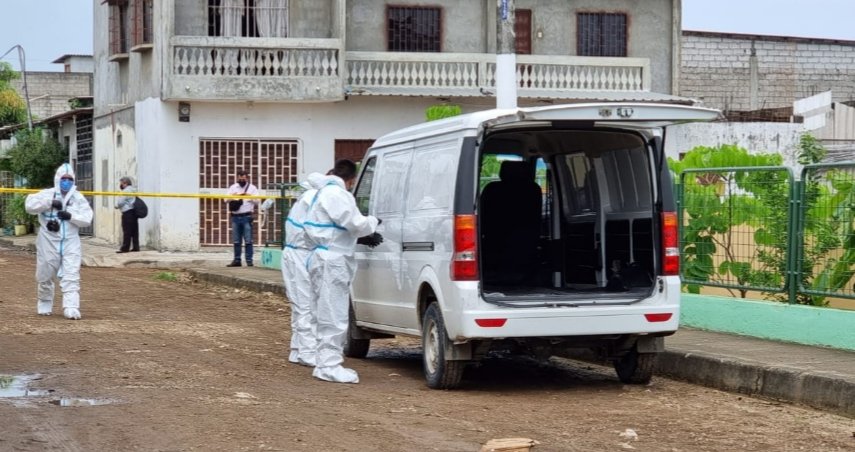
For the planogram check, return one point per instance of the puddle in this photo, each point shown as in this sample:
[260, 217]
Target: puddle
[18, 386]
[81, 402]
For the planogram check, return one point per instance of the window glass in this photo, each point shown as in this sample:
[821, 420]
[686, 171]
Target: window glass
[436, 170]
[392, 183]
[601, 34]
[363, 190]
[413, 29]
[582, 183]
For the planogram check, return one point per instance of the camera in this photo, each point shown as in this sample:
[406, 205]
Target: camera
[52, 226]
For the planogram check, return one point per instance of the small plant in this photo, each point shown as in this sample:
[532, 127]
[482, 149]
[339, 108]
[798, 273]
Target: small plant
[16, 212]
[166, 276]
[442, 111]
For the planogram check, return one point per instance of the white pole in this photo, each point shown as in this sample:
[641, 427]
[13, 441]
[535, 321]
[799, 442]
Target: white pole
[506, 58]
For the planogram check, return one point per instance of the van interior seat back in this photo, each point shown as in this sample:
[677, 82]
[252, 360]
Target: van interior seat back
[510, 210]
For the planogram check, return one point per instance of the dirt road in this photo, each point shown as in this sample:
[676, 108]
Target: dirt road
[180, 365]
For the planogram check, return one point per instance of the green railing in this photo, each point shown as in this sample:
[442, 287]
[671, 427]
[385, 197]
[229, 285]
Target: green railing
[276, 215]
[759, 229]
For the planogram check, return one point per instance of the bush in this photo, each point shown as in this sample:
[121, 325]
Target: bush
[36, 158]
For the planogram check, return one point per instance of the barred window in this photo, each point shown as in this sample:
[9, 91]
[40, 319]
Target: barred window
[413, 29]
[248, 18]
[143, 22]
[119, 30]
[601, 34]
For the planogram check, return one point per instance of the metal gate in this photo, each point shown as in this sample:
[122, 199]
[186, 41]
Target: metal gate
[267, 162]
[84, 165]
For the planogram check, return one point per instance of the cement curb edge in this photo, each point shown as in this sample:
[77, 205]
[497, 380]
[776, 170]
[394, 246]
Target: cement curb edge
[813, 389]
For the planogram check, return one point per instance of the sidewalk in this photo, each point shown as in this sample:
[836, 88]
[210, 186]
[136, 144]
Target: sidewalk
[818, 377]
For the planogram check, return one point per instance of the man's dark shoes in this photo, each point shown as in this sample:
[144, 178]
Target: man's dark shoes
[122, 251]
[234, 264]
[249, 264]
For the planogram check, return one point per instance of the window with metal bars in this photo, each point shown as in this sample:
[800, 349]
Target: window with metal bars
[601, 34]
[143, 22]
[248, 18]
[119, 19]
[413, 29]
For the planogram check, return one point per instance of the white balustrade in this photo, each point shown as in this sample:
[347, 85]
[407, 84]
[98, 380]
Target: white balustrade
[366, 70]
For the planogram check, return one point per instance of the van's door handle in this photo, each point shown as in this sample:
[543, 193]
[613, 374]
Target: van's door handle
[417, 246]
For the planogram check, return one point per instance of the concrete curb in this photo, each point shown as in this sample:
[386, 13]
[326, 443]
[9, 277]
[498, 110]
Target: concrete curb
[824, 391]
[242, 282]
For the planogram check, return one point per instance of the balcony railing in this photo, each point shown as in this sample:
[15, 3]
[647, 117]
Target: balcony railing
[471, 74]
[232, 68]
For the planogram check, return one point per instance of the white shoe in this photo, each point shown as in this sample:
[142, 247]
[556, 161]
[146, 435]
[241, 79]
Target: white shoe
[44, 307]
[337, 374]
[72, 313]
[307, 360]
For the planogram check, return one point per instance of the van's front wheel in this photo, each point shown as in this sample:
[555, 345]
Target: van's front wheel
[440, 372]
[354, 347]
[635, 367]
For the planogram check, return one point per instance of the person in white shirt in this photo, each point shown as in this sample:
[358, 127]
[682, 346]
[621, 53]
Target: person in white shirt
[241, 212]
[130, 222]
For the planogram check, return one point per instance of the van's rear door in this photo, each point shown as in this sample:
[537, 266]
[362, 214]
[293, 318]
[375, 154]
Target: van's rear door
[633, 115]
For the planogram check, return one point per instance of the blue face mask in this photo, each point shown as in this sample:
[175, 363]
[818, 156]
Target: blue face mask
[65, 184]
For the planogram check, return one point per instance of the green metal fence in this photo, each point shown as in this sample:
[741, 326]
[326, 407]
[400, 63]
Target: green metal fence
[759, 229]
[278, 212]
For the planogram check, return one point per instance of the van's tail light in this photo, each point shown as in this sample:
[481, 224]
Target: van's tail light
[464, 261]
[670, 244]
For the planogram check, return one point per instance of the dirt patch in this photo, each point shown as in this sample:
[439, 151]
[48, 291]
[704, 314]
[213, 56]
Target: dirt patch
[193, 366]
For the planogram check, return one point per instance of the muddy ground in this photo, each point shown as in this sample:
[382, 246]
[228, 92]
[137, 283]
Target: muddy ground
[181, 365]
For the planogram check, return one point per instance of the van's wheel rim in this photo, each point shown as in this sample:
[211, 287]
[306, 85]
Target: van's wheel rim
[431, 348]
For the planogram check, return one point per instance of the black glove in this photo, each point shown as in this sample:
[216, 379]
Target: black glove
[370, 240]
[56, 204]
[63, 215]
[379, 222]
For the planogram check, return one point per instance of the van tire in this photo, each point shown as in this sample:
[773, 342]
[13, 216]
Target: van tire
[440, 373]
[354, 347]
[635, 367]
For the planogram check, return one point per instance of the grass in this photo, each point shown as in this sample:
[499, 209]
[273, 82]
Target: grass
[166, 276]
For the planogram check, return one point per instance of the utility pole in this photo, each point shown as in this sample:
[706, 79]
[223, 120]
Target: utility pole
[22, 58]
[506, 58]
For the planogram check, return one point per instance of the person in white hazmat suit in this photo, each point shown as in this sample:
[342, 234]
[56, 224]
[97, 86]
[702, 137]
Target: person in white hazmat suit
[62, 211]
[333, 226]
[298, 287]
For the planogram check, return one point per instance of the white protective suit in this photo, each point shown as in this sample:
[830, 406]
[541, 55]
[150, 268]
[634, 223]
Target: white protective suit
[58, 253]
[298, 286]
[333, 226]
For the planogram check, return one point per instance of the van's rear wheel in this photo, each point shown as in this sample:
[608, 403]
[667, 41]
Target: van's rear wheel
[635, 367]
[354, 347]
[440, 372]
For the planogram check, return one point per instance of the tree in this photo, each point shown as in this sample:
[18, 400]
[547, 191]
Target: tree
[13, 109]
[36, 158]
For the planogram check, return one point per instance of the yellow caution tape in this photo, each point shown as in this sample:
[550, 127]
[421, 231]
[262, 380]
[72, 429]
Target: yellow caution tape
[152, 195]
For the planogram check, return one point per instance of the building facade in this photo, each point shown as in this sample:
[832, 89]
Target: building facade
[188, 92]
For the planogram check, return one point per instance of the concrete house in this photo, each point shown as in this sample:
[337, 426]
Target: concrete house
[189, 91]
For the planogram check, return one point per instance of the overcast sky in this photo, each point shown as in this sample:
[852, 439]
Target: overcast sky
[48, 29]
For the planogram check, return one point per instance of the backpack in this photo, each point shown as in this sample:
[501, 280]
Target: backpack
[140, 209]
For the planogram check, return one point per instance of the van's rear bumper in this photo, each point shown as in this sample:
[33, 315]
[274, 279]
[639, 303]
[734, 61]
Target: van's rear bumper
[582, 321]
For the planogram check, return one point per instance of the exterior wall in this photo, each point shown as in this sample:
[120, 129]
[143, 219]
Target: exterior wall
[50, 92]
[717, 68]
[80, 63]
[649, 28]
[756, 137]
[168, 151]
[114, 155]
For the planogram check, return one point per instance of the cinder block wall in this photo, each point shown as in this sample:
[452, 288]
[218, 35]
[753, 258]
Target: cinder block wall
[716, 67]
[50, 91]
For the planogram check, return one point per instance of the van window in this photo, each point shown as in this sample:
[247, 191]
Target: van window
[391, 182]
[581, 182]
[432, 186]
[631, 188]
[363, 190]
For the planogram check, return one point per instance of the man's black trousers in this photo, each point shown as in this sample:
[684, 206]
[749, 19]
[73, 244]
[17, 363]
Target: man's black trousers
[130, 231]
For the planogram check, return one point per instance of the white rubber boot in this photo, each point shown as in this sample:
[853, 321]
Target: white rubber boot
[44, 307]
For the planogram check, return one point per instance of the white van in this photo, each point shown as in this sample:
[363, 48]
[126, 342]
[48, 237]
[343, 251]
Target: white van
[536, 230]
